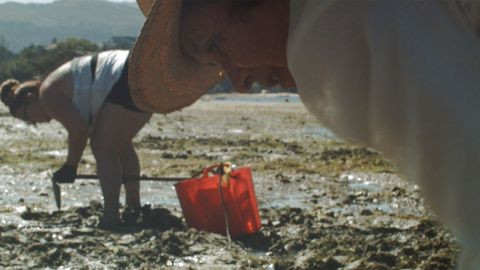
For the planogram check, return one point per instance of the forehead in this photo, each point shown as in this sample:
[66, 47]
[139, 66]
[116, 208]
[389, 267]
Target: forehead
[199, 23]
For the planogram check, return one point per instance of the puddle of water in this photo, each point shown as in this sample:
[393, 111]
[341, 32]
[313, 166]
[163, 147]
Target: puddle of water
[377, 184]
[56, 153]
[37, 192]
[367, 186]
[381, 207]
[236, 131]
[320, 133]
[284, 199]
[13, 219]
[159, 194]
[254, 98]
[361, 181]
[275, 156]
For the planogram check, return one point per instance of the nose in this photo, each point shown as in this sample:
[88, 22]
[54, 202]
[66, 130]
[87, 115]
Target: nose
[241, 78]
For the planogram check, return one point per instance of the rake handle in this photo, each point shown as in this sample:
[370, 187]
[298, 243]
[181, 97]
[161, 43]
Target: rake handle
[140, 178]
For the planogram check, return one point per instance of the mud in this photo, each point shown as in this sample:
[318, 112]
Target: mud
[324, 203]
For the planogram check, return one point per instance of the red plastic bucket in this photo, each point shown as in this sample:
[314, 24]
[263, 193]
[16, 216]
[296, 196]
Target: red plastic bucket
[204, 209]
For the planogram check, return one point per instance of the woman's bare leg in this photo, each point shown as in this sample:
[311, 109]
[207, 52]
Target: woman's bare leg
[114, 130]
[131, 169]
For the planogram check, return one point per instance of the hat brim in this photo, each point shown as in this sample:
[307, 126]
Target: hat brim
[145, 6]
[161, 78]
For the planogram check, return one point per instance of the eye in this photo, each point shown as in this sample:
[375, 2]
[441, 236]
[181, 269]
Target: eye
[214, 45]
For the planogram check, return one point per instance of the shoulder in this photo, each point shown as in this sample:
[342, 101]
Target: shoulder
[58, 82]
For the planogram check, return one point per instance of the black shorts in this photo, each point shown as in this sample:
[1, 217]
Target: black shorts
[120, 93]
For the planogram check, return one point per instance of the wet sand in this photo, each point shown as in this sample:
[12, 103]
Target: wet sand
[324, 203]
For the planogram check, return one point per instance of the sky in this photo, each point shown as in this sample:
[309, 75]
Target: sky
[49, 1]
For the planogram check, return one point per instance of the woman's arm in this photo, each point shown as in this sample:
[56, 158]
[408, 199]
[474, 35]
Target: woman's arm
[58, 104]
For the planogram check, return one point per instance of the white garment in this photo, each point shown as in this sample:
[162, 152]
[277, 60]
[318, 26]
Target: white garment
[402, 77]
[88, 96]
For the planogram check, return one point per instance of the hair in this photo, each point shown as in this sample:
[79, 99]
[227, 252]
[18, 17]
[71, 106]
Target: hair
[13, 93]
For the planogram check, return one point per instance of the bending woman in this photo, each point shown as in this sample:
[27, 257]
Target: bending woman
[90, 97]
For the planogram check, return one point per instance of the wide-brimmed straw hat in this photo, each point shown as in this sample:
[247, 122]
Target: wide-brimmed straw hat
[162, 79]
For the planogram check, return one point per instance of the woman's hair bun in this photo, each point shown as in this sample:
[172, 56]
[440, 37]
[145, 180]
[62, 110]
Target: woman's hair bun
[7, 90]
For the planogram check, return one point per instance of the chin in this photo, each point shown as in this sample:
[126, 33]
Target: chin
[288, 85]
[287, 81]
[241, 91]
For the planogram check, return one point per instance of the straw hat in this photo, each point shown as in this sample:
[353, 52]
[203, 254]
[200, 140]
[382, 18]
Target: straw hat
[145, 6]
[162, 79]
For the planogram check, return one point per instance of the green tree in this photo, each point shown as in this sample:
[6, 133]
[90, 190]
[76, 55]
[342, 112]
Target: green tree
[36, 62]
[5, 56]
[66, 50]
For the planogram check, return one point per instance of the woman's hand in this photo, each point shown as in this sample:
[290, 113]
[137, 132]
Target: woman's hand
[66, 174]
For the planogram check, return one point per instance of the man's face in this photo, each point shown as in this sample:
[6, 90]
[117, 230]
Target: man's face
[249, 47]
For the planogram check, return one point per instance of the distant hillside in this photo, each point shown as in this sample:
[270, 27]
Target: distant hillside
[95, 20]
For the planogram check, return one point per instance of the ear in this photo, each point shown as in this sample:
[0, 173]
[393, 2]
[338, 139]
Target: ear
[32, 96]
[38, 83]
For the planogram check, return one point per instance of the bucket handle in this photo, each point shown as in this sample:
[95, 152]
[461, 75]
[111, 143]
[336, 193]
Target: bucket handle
[224, 170]
[210, 169]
